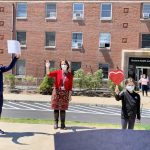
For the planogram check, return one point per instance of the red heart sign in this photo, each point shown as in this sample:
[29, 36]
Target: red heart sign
[116, 76]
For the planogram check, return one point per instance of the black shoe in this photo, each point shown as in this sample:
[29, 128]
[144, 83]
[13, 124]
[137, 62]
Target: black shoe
[2, 132]
[63, 127]
[55, 126]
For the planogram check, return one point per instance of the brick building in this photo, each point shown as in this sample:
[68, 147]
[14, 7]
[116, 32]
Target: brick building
[90, 34]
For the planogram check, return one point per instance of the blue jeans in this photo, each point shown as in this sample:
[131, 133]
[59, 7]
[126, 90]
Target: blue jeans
[128, 122]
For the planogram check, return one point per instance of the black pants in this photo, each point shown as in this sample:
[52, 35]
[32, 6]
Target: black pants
[62, 116]
[144, 88]
[128, 122]
[1, 102]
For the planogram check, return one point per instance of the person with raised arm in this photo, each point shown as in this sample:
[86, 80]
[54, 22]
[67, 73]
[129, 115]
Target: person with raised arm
[62, 91]
[130, 104]
[4, 69]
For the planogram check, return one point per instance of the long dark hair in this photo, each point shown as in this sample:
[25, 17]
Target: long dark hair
[66, 62]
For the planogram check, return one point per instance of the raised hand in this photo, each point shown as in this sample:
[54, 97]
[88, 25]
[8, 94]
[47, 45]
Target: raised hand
[47, 64]
[17, 55]
[117, 89]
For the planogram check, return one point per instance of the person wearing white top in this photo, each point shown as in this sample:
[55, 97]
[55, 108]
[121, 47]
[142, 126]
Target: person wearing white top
[144, 83]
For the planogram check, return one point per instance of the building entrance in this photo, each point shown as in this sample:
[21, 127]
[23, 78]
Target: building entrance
[142, 70]
[138, 66]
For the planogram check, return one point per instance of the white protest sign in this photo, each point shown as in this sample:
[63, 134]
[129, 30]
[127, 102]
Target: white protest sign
[13, 47]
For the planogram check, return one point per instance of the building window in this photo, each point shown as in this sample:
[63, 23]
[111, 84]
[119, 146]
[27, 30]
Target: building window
[104, 40]
[21, 10]
[75, 66]
[106, 11]
[50, 39]
[52, 64]
[50, 11]
[21, 37]
[145, 40]
[78, 11]
[105, 68]
[77, 40]
[146, 10]
[20, 67]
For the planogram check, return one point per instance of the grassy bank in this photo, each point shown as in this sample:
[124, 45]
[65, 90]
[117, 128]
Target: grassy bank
[72, 123]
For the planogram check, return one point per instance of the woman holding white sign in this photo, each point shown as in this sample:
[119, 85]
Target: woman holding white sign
[4, 69]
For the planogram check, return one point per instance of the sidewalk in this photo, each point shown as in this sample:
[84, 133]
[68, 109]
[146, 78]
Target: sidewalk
[21, 136]
[145, 101]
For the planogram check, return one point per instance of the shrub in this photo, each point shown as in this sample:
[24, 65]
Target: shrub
[46, 85]
[79, 78]
[88, 80]
[28, 80]
[10, 79]
[97, 79]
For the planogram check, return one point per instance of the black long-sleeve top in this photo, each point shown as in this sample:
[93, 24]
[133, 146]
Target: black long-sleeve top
[5, 69]
[128, 110]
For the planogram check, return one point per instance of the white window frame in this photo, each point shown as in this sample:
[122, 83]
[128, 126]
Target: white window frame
[76, 47]
[74, 14]
[24, 45]
[104, 47]
[53, 47]
[50, 18]
[145, 15]
[105, 18]
[22, 18]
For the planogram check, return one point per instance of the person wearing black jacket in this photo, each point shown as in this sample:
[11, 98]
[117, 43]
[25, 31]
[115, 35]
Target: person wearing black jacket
[130, 104]
[2, 70]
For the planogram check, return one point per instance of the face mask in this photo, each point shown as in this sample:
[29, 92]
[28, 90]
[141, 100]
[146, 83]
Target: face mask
[130, 88]
[64, 67]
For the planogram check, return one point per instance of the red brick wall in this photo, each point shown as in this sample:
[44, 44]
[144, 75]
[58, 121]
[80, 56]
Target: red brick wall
[36, 26]
[5, 31]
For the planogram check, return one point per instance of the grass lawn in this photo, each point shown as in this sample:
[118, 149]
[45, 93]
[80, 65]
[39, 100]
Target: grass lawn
[73, 123]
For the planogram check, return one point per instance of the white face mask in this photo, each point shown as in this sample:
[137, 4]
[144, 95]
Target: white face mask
[130, 88]
[64, 67]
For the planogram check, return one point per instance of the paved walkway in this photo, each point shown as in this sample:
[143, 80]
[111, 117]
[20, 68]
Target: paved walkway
[145, 101]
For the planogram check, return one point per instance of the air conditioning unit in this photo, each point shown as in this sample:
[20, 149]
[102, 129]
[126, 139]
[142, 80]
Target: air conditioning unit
[146, 15]
[102, 45]
[79, 45]
[78, 16]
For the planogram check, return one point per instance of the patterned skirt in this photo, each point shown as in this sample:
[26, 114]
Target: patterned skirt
[60, 99]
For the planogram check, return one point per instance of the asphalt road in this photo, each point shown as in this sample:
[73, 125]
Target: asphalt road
[76, 112]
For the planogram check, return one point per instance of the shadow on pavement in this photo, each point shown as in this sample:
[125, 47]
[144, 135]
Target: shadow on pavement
[16, 135]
